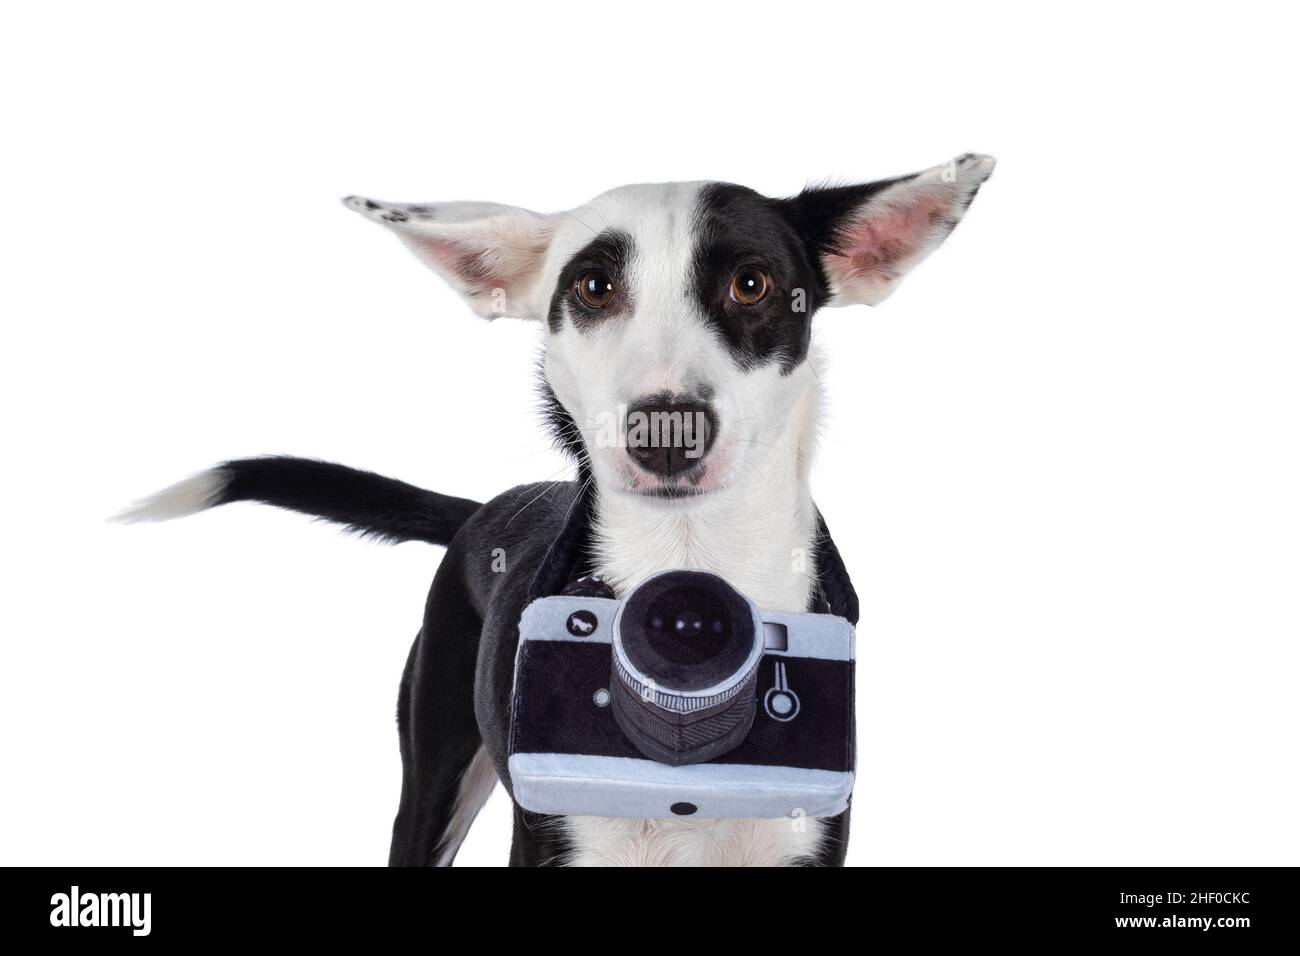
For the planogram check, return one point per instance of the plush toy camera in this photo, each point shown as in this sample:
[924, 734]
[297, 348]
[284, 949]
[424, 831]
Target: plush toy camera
[682, 698]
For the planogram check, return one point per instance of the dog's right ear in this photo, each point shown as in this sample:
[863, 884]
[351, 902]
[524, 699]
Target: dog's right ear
[491, 254]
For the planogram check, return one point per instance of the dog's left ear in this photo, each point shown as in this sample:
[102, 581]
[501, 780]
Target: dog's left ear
[491, 254]
[868, 237]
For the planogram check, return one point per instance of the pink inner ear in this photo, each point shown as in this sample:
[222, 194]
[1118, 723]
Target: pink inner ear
[482, 264]
[466, 265]
[874, 245]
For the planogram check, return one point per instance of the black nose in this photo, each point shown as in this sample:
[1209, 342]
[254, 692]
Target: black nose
[667, 437]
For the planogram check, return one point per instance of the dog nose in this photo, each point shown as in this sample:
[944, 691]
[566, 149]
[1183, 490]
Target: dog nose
[666, 436]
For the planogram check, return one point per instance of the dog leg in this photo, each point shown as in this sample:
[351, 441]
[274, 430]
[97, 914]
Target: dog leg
[446, 776]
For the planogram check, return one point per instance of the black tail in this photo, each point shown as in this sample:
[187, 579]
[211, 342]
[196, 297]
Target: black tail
[362, 501]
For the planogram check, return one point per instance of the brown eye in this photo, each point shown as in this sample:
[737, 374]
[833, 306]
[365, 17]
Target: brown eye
[749, 287]
[595, 289]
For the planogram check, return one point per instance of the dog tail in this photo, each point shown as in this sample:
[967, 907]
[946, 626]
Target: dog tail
[361, 501]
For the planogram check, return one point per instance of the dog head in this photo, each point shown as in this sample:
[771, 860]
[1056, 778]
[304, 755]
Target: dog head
[678, 315]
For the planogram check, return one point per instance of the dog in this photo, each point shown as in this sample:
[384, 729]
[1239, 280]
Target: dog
[689, 302]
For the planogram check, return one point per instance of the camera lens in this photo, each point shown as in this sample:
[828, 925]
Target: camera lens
[686, 652]
[687, 626]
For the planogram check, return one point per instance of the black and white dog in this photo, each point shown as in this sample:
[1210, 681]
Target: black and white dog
[686, 298]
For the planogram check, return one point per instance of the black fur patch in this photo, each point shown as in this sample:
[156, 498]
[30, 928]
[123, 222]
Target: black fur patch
[362, 501]
[610, 251]
[564, 431]
[736, 229]
[818, 213]
[786, 238]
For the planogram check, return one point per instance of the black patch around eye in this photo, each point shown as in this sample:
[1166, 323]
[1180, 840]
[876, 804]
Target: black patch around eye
[738, 229]
[610, 252]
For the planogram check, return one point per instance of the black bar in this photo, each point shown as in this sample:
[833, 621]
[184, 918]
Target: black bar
[1223, 907]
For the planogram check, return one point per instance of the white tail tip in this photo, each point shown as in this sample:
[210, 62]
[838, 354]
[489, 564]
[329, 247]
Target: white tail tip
[187, 497]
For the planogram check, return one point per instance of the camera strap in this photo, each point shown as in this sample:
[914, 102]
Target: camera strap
[561, 570]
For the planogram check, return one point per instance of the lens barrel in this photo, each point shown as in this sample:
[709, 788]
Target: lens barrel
[687, 647]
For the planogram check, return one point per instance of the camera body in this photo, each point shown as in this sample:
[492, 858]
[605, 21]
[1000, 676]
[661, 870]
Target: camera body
[681, 699]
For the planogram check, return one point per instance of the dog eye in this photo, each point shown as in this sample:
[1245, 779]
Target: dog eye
[749, 286]
[595, 289]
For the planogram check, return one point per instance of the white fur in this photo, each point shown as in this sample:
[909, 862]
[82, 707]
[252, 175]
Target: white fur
[187, 497]
[601, 841]
[476, 785]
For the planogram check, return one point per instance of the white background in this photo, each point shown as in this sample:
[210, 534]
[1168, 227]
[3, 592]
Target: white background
[1061, 462]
